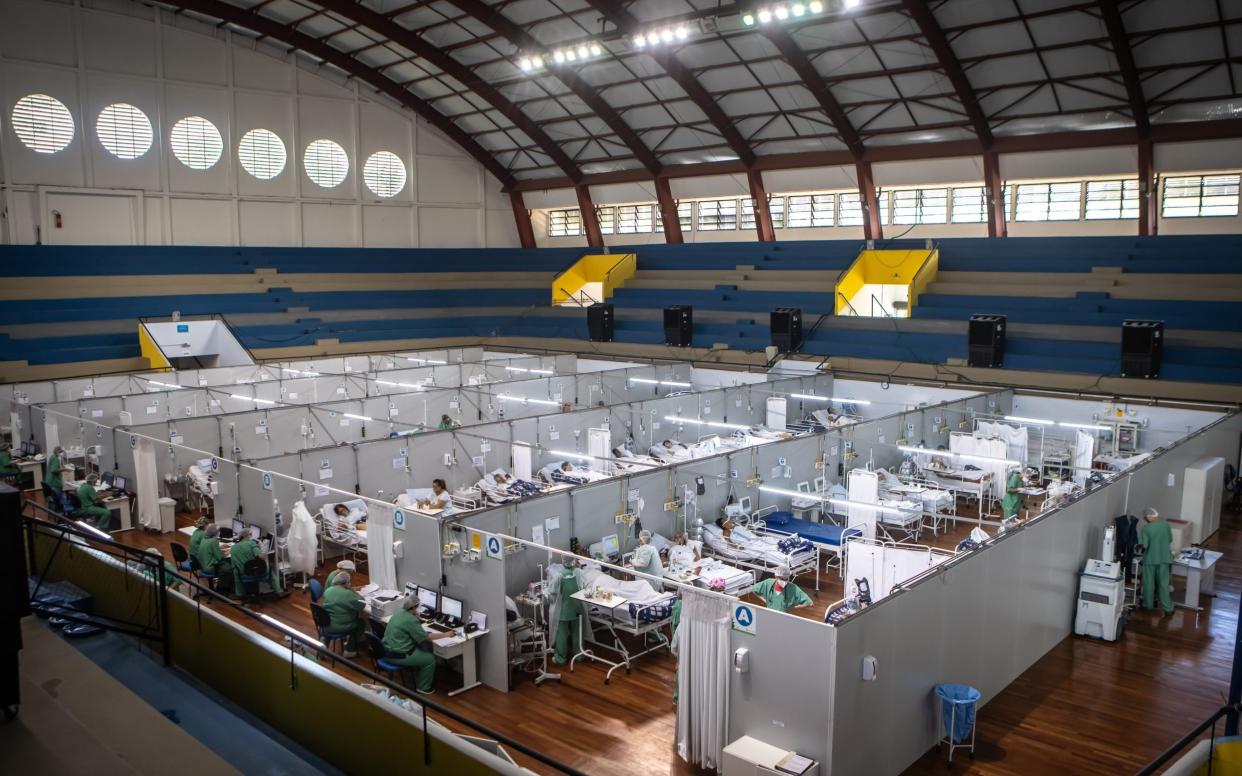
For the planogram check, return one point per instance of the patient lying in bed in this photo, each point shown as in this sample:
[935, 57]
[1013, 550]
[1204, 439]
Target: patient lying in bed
[501, 487]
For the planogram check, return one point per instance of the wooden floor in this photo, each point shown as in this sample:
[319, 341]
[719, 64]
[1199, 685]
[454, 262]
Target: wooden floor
[1088, 707]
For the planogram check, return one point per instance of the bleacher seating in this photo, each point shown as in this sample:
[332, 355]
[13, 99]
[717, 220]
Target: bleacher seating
[278, 298]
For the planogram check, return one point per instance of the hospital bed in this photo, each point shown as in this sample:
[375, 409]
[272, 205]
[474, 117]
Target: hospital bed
[643, 615]
[202, 486]
[635, 463]
[753, 548]
[351, 541]
[461, 500]
[512, 490]
[939, 505]
[827, 537]
[971, 483]
[579, 475]
[712, 573]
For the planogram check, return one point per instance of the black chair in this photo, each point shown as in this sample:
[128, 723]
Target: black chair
[378, 626]
[382, 665]
[181, 556]
[323, 624]
[254, 572]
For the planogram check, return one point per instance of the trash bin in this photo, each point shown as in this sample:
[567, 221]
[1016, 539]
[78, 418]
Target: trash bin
[957, 712]
[168, 515]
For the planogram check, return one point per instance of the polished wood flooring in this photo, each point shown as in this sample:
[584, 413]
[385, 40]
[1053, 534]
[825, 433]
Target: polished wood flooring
[1088, 707]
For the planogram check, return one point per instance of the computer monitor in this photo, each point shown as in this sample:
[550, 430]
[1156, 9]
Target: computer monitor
[107, 479]
[612, 546]
[239, 528]
[25, 449]
[118, 482]
[255, 532]
[450, 607]
[428, 599]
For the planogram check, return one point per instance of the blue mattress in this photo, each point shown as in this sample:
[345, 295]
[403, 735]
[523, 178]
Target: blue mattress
[820, 533]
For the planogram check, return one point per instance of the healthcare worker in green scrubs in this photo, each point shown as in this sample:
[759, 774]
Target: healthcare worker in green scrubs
[7, 468]
[404, 641]
[341, 565]
[345, 607]
[566, 611]
[210, 557]
[1156, 538]
[647, 559]
[91, 509]
[1012, 498]
[780, 593]
[55, 465]
[196, 538]
[244, 551]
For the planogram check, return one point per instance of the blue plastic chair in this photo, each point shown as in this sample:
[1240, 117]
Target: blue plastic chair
[957, 712]
[382, 664]
[323, 624]
[316, 590]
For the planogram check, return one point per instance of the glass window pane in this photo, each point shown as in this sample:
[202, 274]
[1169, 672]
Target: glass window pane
[970, 205]
[635, 219]
[1112, 199]
[776, 206]
[607, 219]
[564, 223]
[851, 209]
[717, 215]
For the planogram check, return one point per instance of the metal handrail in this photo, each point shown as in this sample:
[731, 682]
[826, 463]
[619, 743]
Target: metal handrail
[845, 299]
[1168, 754]
[312, 645]
[877, 303]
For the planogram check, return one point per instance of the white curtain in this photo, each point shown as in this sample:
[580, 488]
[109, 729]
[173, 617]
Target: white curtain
[1084, 456]
[146, 485]
[864, 487]
[51, 435]
[704, 662]
[381, 564]
[302, 541]
[967, 444]
[15, 432]
[1016, 437]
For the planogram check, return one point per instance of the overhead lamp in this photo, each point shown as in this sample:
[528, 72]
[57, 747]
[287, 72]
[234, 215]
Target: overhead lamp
[640, 40]
[526, 64]
[558, 56]
[570, 55]
[596, 49]
[583, 51]
[697, 422]
[567, 454]
[1087, 426]
[524, 400]
[964, 456]
[748, 19]
[765, 16]
[781, 12]
[1031, 421]
[352, 416]
[841, 502]
[852, 4]
[797, 9]
[815, 6]
[163, 385]
[670, 383]
[682, 32]
[666, 35]
[813, 397]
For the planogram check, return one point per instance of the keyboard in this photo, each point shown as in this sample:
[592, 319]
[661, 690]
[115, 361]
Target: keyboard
[438, 628]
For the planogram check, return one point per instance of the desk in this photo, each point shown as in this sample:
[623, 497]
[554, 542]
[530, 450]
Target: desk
[1200, 577]
[749, 756]
[466, 649]
[111, 501]
[35, 468]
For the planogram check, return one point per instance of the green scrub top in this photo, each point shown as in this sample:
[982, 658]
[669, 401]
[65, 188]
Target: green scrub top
[445, 425]
[331, 576]
[1011, 500]
[210, 556]
[6, 464]
[647, 560]
[87, 496]
[196, 540]
[783, 601]
[404, 633]
[571, 608]
[344, 606]
[243, 552]
[1157, 537]
[52, 478]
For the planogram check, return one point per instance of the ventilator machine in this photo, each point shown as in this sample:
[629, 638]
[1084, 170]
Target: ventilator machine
[1101, 596]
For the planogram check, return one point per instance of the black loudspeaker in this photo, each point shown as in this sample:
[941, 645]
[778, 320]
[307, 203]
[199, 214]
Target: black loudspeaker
[986, 341]
[787, 329]
[678, 325]
[1142, 347]
[599, 322]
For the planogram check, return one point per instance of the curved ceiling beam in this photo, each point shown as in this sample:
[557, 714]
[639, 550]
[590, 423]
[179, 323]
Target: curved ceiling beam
[934, 34]
[363, 16]
[793, 54]
[585, 92]
[624, 21]
[269, 28]
[1125, 62]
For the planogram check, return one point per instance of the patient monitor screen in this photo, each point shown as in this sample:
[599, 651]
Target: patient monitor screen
[612, 546]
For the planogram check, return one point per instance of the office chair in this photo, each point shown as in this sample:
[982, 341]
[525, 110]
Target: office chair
[323, 624]
[253, 574]
[316, 590]
[210, 578]
[382, 665]
[181, 556]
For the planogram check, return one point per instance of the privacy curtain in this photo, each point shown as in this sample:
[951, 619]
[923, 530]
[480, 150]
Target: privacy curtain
[381, 563]
[704, 662]
[864, 488]
[1084, 456]
[147, 484]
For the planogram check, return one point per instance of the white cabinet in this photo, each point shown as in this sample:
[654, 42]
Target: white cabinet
[751, 757]
[1203, 488]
